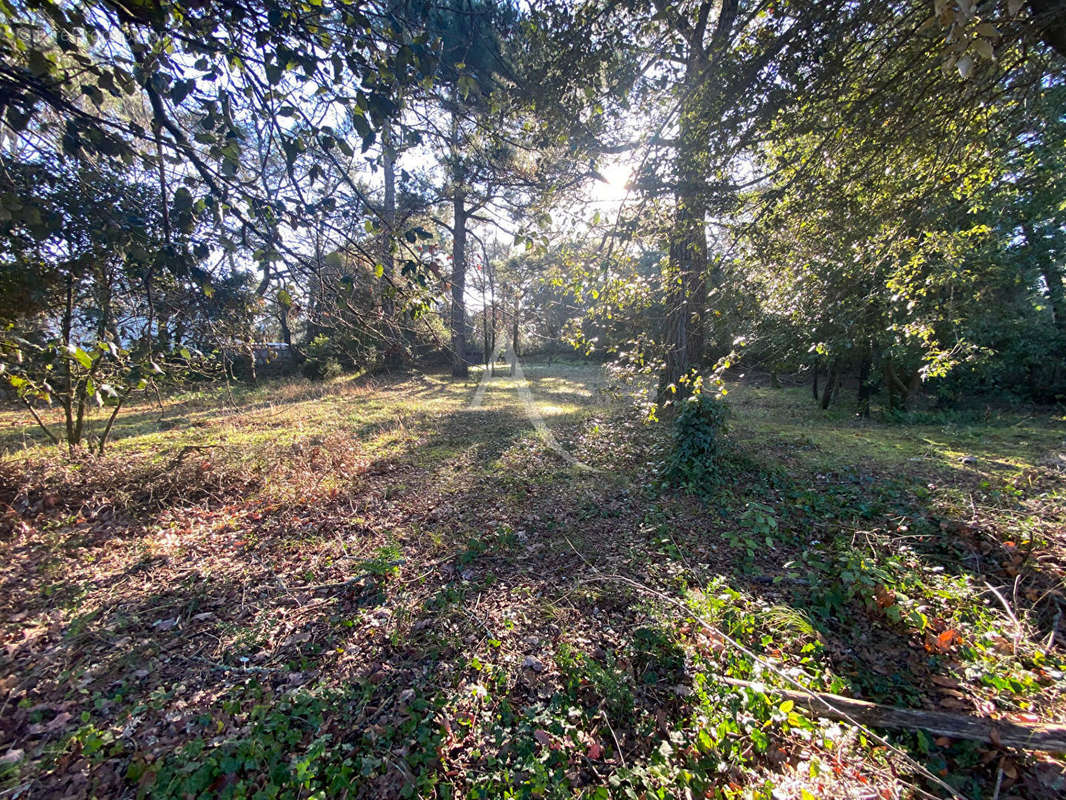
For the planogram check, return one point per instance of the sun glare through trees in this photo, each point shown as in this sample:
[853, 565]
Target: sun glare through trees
[564, 399]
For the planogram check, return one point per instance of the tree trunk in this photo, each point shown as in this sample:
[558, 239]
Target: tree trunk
[1056, 296]
[459, 368]
[67, 400]
[486, 355]
[864, 382]
[830, 385]
[286, 335]
[898, 391]
[392, 355]
[686, 294]
[814, 383]
[890, 384]
[162, 331]
[514, 337]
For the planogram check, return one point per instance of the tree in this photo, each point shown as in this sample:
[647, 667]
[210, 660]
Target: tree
[84, 251]
[193, 74]
[874, 245]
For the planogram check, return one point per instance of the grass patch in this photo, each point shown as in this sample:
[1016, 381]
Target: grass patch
[297, 589]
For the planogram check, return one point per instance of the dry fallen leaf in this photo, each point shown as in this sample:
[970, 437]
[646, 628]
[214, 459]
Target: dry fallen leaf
[945, 681]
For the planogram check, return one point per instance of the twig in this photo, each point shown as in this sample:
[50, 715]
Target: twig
[617, 746]
[1042, 737]
[999, 782]
[37, 418]
[227, 668]
[1054, 624]
[318, 587]
[189, 448]
[1006, 607]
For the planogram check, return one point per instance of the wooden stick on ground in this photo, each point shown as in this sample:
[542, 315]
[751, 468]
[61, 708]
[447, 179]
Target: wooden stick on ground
[1026, 736]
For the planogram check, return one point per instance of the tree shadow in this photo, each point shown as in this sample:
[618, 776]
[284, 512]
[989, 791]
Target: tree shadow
[437, 612]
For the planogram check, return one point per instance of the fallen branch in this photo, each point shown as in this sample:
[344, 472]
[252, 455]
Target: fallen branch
[1035, 736]
[189, 448]
[351, 582]
[673, 601]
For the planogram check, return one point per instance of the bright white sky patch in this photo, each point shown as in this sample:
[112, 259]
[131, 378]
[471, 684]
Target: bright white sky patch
[614, 191]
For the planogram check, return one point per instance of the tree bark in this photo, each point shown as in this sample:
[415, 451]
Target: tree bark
[514, 336]
[898, 391]
[814, 382]
[252, 377]
[830, 385]
[392, 355]
[67, 400]
[1056, 295]
[458, 321]
[890, 384]
[864, 382]
[687, 290]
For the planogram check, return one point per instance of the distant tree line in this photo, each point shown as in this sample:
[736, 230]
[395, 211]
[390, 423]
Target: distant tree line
[863, 192]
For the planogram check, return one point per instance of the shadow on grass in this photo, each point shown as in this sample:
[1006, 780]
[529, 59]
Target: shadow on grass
[430, 618]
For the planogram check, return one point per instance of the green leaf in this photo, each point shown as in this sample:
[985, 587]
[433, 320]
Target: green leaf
[181, 90]
[39, 63]
[182, 200]
[80, 356]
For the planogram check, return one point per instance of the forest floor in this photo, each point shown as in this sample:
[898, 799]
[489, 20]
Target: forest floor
[374, 588]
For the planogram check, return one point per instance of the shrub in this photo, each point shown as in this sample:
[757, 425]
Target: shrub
[321, 364]
[698, 426]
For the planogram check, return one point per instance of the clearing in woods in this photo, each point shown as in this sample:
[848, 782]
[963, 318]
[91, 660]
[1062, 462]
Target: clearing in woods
[369, 587]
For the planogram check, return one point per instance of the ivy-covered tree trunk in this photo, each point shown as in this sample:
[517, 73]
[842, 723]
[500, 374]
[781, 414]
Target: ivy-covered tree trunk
[250, 355]
[286, 330]
[688, 243]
